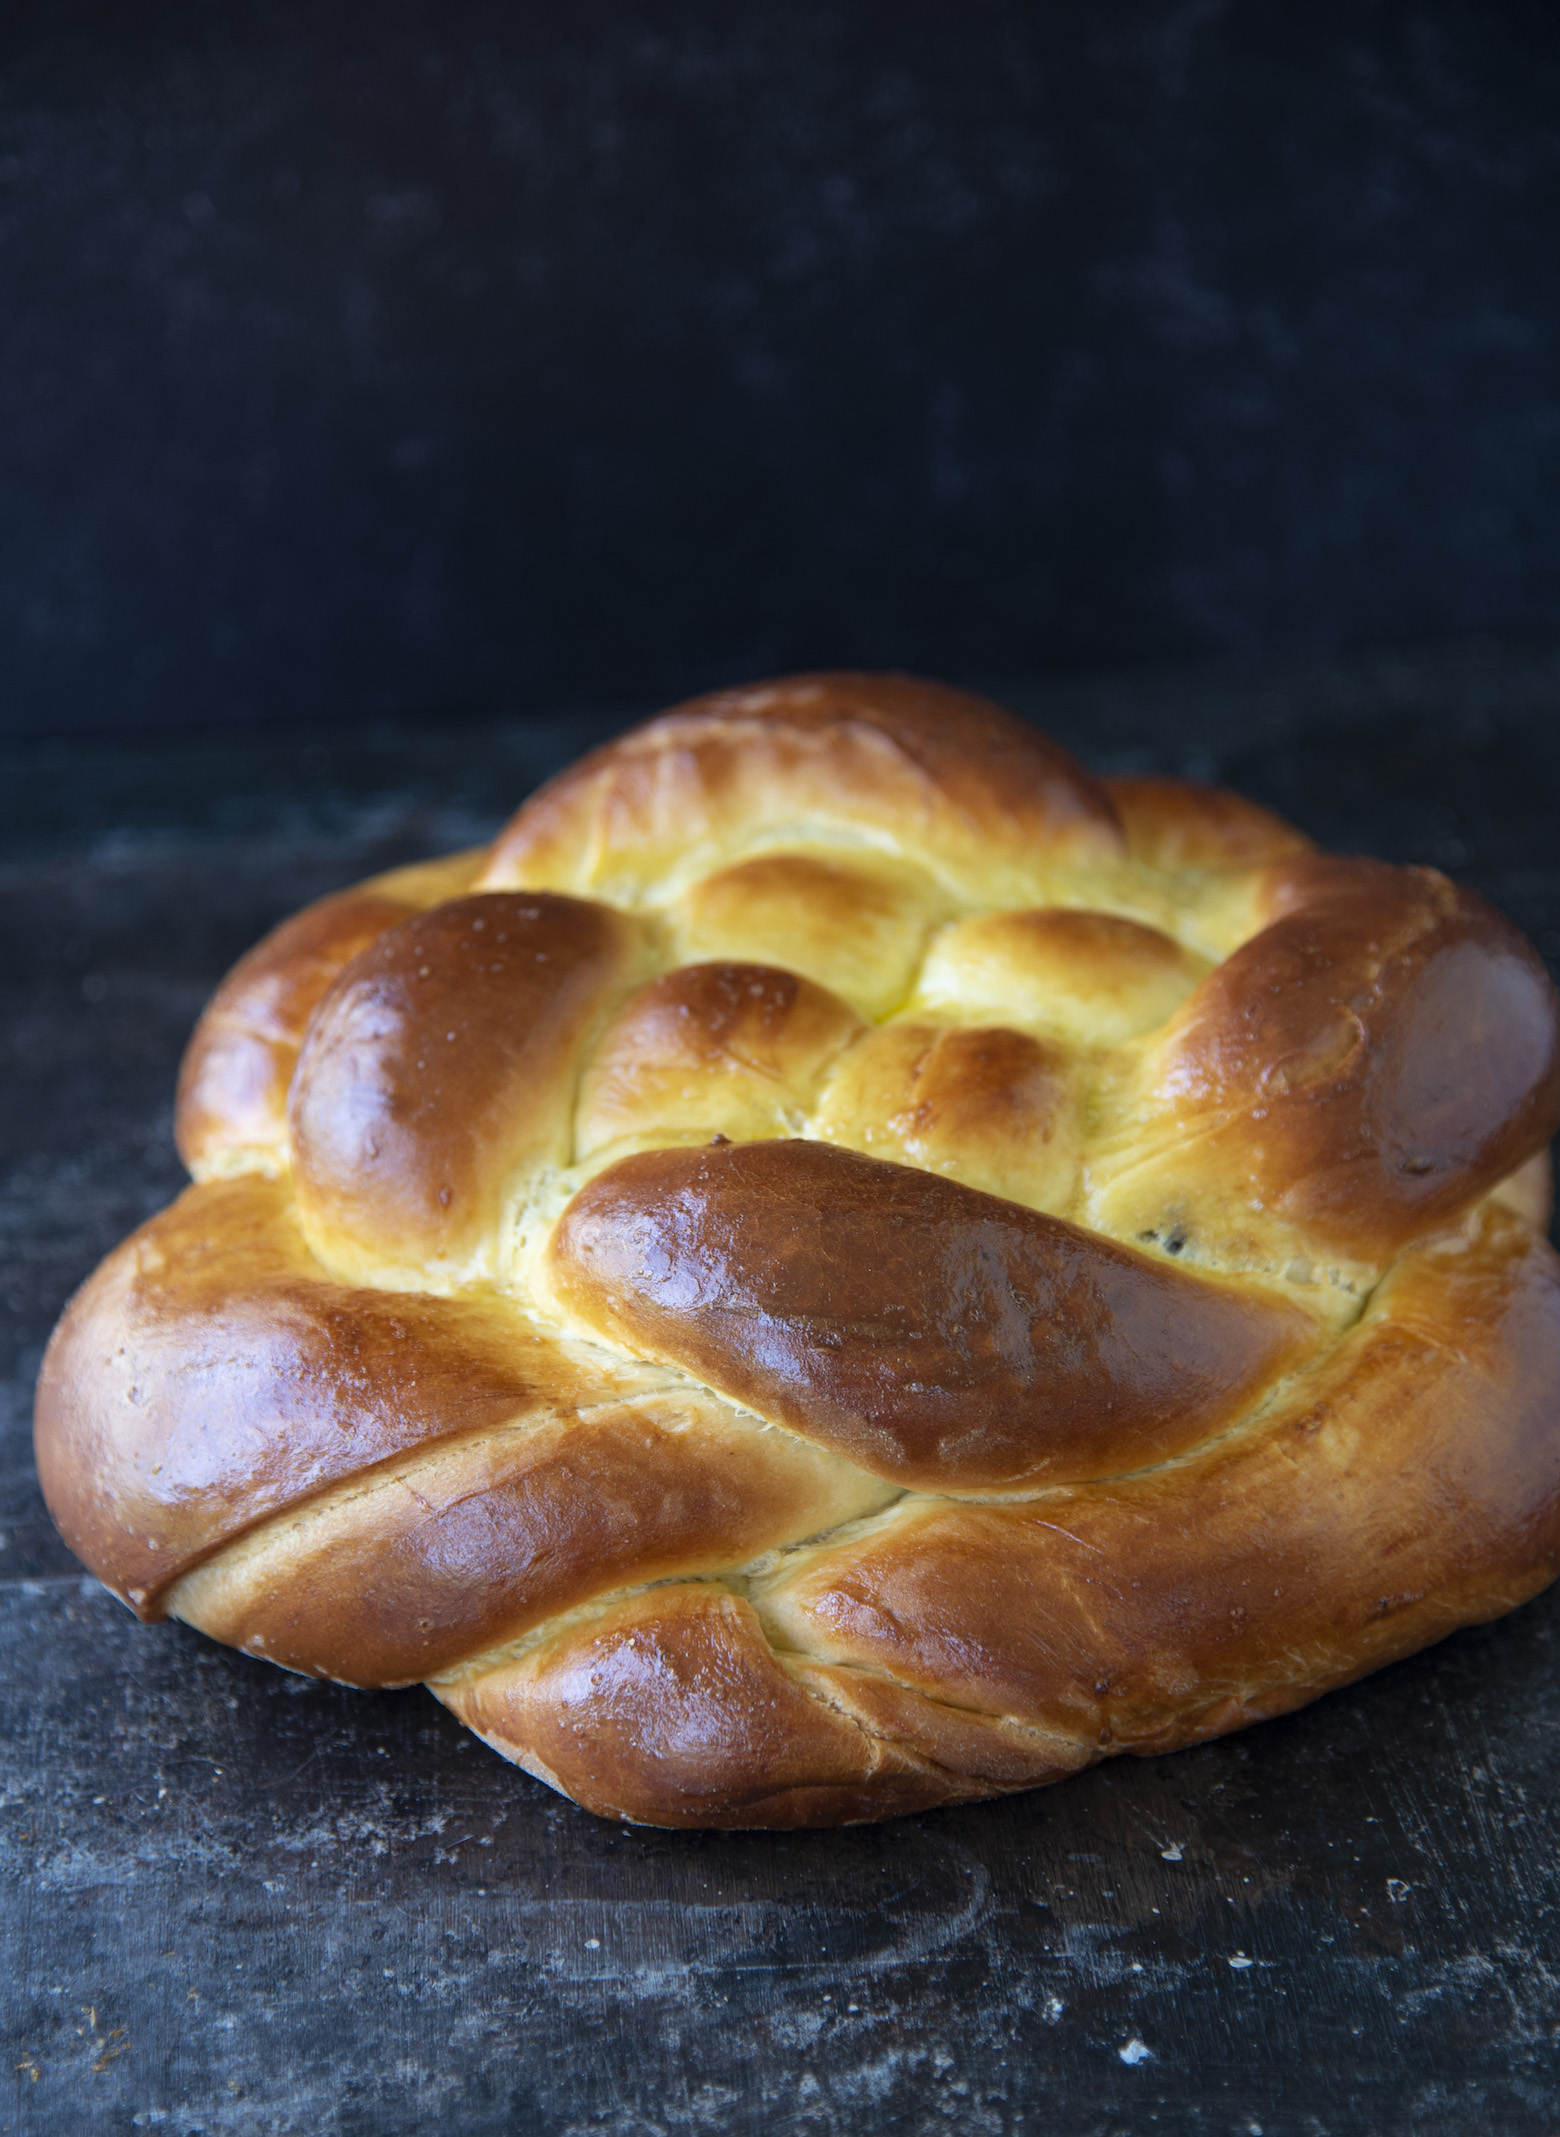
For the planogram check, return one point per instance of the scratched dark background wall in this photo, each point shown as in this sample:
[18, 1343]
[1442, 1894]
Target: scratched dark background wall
[416, 356]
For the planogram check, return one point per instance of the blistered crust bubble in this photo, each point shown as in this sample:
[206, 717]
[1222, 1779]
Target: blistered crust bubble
[844, 1265]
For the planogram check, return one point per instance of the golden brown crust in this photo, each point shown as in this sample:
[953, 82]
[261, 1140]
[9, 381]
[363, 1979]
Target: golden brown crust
[436, 1078]
[937, 1336]
[211, 1373]
[863, 1269]
[475, 1542]
[230, 1114]
[1093, 978]
[1410, 1484]
[735, 1050]
[856, 929]
[1175, 824]
[674, 1710]
[996, 1109]
[232, 1098]
[977, 793]
[1385, 1051]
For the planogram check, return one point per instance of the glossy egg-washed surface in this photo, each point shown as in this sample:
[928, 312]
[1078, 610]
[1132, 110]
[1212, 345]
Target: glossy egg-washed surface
[844, 1265]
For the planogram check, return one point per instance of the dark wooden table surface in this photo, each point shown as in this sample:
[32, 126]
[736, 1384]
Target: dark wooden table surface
[240, 1902]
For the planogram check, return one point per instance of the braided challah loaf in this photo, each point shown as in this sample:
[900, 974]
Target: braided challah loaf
[843, 1266]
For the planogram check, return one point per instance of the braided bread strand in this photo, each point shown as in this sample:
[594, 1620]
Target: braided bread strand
[843, 1266]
